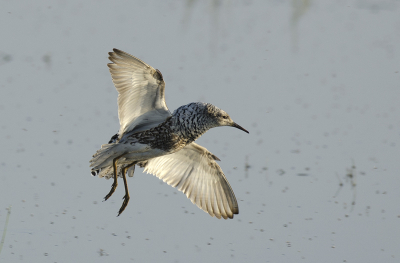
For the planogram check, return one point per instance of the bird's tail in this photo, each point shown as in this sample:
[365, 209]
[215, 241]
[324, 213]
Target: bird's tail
[108, 172]
[104, 157]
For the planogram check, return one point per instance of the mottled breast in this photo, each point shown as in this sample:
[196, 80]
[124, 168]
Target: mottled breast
[160, 137]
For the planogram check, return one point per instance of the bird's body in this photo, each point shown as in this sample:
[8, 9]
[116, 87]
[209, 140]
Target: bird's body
[151, 137]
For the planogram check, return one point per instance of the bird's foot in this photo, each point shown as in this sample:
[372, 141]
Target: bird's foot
[124, 204]
[113, 187]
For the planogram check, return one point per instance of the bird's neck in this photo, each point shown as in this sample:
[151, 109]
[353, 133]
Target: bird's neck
[189, 128]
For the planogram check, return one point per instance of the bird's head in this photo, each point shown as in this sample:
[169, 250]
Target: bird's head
[200, 117]
[221, 118]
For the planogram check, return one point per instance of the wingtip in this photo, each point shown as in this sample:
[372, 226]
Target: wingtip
[115, 52]
[235, 211]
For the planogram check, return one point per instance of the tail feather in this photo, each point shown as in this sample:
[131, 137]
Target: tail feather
[104, 157]
[108, 172]
[102, 161]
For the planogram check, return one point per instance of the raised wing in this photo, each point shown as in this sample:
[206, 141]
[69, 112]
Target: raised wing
[141, 101]
[194, 171]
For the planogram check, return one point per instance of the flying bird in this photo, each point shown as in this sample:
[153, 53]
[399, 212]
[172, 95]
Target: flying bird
[161, 142]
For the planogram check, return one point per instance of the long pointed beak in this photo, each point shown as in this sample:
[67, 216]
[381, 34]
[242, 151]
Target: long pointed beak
[239, 127]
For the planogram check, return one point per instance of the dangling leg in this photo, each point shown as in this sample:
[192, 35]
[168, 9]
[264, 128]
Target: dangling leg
[126, 197]
[115, 184]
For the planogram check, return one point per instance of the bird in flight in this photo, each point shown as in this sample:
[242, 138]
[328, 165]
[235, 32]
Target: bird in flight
[161, 142]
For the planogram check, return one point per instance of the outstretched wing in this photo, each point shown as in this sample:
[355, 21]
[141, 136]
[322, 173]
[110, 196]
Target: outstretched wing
[194, 171]
[141, 101]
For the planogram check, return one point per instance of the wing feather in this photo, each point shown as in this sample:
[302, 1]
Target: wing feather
[194, 171]
[140, 92]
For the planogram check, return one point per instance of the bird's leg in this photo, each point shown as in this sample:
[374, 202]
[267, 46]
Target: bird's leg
[126, 196]
[115, 184]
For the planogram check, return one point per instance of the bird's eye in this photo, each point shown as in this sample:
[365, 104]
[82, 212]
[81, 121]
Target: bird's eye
[225, 117]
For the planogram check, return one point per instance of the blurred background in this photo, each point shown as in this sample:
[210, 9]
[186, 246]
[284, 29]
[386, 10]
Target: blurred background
[315, 82]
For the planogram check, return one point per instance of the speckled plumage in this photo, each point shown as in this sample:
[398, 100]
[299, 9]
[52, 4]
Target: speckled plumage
[161, 142]
[186, 124]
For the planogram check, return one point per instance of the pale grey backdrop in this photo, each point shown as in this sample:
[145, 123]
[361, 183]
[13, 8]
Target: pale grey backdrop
[315, 82]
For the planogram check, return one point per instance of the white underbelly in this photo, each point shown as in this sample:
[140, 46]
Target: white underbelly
[145, 154]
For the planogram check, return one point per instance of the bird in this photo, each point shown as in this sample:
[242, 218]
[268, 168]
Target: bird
[163, 143]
